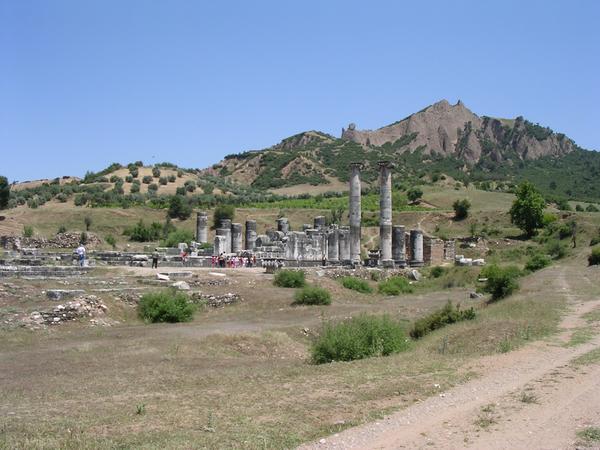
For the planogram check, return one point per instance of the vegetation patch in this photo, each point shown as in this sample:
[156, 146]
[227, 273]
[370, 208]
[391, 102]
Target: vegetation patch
[591, 357]
[359, 337]
[594, 258]
[357, 284]
[447, 315]
[312, 295]
[290, 278]
[589, 434]
[537, 262]
[395, 286]
[501, 281]
[166, 306]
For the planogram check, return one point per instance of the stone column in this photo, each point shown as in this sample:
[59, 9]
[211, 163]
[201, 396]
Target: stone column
[344, 244]
[333, 249]
[226, 225]
[355, 212]
[398, 250]
[202, 227]
[319, 223]
[416, 243]
[236, 237]
[221, 245]
[283, 225]
[385, 212]
[250, 234]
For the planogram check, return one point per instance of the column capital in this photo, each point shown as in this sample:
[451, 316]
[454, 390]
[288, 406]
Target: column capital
[387, 164]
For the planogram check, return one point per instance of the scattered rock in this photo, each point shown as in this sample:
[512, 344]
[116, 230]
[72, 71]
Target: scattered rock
[216, 301]
[181, 285]
[475, 295]
[163, 277]
[82, 306]
[59, 294]
[415, 275]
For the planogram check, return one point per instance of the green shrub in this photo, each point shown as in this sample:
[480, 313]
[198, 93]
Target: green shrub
[144, 233]
[147, 179]
[461, 209]
[166, 306]
[27, 231]
[591, 208]
[501, 281]
[129, 179]
[163, 181]
[437, 271]
[312, 295]
[594, 258]
[395, 286]
[155, 172]
[289, 278]
[359, 337]
[176, 237]
[556, 249]
[356, 284]
[61, 229]
[537, 262]
[110, 240]
[440, 318]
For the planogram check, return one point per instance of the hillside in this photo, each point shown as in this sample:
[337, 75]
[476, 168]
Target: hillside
[441, 139]
[442, 143]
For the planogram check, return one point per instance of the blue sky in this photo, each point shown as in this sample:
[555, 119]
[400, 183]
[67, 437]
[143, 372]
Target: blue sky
[86, 83]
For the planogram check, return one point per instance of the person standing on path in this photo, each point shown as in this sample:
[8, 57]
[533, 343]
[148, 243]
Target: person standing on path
[80, 255]
[155, 257]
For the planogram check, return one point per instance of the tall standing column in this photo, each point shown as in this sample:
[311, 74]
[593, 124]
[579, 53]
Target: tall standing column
[250, 234]
[385, 212]
[226, 225]
[355, 212]
[236, 237]
[319, 223]
[398, 250]
[416, 243]
[202, 227]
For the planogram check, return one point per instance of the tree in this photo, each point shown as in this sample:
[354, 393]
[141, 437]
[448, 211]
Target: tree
[88, 223]
[337, 215]
[178, 208]
[414, 194]
[527, 211]
[222, 212]
[461, 209]
[4, 192]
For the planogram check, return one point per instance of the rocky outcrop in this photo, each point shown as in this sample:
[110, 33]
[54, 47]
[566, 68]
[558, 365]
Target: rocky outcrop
[454, 130]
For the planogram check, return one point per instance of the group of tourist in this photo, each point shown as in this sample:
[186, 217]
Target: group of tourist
[232, 262]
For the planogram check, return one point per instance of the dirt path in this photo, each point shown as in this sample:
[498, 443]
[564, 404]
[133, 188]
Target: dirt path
[532, 398]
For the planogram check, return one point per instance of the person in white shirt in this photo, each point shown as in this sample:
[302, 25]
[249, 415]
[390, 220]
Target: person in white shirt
[81, 255]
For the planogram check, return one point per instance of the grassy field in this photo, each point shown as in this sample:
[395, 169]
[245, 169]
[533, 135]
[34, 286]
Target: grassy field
[240, 377]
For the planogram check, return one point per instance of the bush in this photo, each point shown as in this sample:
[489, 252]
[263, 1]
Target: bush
[176, 237]
[556, 249]
[289, 278]
[395, 286]
[591, 208]
[27, 231]
[222, 212]
[135, 188]
[152, 188]
[501, 281]
[461, 209]
[155, 172]
[167, 306]
[357, 284]
[594, 258]
[144, 233]
[110, 240]
[147, 179]
[163, 181]
[61, 229]
[579, 208]
[129, 179]
[87, 220]
[134, 171]
[172, 178]
[312, 295]
[437, 271]
[179, 208]
[359, 337]
[414, 194]
[440, 318]
[537, 262]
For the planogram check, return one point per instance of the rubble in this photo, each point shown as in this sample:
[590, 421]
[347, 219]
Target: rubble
[61, 240]
[215, 301]
[59, 294]
[82, 307]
